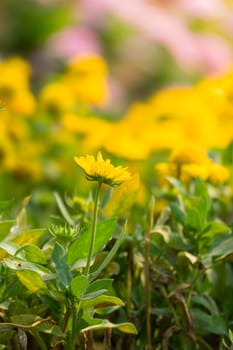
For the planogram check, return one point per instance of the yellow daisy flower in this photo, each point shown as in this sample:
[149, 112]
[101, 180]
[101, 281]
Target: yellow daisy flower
[102, 170]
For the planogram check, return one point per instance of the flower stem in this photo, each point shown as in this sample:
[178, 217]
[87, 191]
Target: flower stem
[147, 276]
[93, 229]
[75, 319]
[110, 255]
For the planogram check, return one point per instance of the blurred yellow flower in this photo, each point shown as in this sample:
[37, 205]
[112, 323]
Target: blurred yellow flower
[163, 170]
[14, 76]
[189, 162]
[86, 128]
[88, 65]
[160, 204]
[186, 115]
[23, 103]
[87, 78]
[192, 171]
[218, 173]
[123, 198]
[102, 170]
[188, 154]
[217, 92]
[130, 137]
[56, 98]
[23, 168]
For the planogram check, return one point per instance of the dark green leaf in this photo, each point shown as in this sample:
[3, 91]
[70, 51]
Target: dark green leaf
[61, 266]
[93, 295]
[80, 248]
[224, 249]
[177, 213]
[100, 284]
[207, 302]
[210, 323]
[172, 239]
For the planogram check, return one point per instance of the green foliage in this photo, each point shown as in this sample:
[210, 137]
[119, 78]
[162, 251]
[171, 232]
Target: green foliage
[42, 268]
[79, 248]
[172, 271]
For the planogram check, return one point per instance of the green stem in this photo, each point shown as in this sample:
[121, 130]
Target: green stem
[75, 316]
[129, 279]
[66, 318]
[147, 277]
[110, 255]
[93, 230]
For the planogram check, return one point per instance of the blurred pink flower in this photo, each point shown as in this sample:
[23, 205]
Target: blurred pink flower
[166, 27]
[202, 9]
[215, 56]
[73, 41]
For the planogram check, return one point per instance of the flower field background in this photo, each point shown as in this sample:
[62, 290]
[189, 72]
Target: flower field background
[116, 182]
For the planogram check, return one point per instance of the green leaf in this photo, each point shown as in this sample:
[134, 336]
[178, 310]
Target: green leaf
[172, 239]
[200, 188]
[100, 284]
[230, 335]
[8, 247]
[188, 256]
[32, 281]
[101, 301]
[106, 310]
[18, 265]
[125, 327]
[61, 266]
[63, 209]
[215, 228]
[197, 214]
[177, 213]
[210, 323]
[176, 183]
[33, 254]
[224, 249]
[79, 285]
[206, 301]
[203, 208]
[193, 219]
[93, 295]
[29, 237]
[80, 248]
[161, 311]
[5, 227]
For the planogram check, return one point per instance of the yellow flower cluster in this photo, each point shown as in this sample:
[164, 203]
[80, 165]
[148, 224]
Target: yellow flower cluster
[37, 145]
[40, 134]
[14, 86]
[84, 81]
[189, 162]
